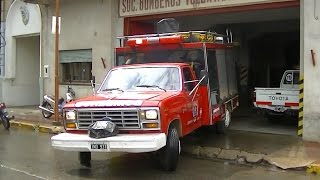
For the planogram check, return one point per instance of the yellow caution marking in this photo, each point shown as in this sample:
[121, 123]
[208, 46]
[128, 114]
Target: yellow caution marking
[301, 95]
[314, 168]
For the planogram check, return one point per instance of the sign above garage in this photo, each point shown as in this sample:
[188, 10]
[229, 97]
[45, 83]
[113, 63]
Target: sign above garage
[147, 7]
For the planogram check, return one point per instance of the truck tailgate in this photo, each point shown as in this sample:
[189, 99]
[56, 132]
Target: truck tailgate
[277, 97]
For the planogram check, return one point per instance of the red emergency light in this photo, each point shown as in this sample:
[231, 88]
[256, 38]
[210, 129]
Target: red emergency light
[154, 40]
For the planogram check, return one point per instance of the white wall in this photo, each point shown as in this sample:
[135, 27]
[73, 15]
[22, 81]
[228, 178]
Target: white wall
[310, 30]
[24, 88]
[16, 27]
[85, 24]
[20, 85]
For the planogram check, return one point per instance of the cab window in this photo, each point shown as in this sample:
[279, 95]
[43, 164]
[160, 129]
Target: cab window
[188, 81]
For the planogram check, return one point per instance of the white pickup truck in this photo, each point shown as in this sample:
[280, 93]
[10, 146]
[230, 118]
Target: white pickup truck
[279, 101]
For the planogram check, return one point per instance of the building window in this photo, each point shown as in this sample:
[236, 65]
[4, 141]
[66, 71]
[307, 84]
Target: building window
[75, 66]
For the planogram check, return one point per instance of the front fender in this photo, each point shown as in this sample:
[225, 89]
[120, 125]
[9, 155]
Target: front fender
[168, 120]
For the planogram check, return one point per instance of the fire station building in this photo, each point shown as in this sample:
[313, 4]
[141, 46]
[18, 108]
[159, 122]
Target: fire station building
[273, 36]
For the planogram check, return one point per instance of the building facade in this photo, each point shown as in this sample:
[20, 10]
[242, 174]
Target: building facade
[273, 36]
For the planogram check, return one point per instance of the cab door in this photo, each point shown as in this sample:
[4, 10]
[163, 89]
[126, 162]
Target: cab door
[192, 108]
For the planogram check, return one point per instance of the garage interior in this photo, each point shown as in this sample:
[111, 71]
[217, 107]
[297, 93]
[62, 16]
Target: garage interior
[269, 44]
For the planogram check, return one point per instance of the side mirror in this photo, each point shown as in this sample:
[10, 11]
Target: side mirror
[204, 76]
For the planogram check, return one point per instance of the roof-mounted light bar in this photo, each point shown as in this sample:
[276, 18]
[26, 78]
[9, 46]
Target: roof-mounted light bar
[177, 37]
[154, 40]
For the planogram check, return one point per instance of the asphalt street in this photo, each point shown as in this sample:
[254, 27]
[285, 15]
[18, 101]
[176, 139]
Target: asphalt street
[29, 155]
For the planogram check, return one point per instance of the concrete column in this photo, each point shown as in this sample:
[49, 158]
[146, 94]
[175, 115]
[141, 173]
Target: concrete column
[310, 38]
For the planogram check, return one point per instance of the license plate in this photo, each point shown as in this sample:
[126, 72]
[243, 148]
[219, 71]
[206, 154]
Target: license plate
[99, 146]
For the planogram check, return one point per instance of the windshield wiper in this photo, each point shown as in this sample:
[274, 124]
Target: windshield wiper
[152, 86]
[112, 89]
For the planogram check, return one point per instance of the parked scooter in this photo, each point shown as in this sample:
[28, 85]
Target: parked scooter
[5, 117]
[48, 103]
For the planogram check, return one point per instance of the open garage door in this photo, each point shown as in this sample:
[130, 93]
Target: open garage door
[269, 45]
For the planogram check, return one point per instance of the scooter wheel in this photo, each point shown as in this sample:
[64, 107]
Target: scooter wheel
[46, 114]
[5, 122]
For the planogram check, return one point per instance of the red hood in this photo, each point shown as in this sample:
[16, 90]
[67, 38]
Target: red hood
[122, 99]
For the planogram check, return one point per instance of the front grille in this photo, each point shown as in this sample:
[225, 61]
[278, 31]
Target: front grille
[124, 119]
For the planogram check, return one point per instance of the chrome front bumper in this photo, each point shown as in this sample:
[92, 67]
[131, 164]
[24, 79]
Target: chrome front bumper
[132, 143]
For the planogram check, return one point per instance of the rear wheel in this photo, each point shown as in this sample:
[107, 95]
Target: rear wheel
[224, 124]
[169, 155]
[46, 114]
[5, 122]
[85, 158]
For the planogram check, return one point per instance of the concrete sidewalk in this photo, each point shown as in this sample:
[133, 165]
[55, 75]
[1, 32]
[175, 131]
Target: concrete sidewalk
[283, 151]
[30, 117]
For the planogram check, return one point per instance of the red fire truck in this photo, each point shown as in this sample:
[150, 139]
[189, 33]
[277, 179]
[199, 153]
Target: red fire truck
[163, 87]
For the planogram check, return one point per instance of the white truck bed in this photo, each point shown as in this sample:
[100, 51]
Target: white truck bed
[277, 96]
[280, 101]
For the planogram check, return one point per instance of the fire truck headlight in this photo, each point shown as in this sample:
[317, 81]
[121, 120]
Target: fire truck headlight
[151, 114]
[70, 115]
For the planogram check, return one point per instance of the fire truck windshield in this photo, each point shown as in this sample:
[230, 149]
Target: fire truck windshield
[160, 56]
[194, 57]
[139, 78]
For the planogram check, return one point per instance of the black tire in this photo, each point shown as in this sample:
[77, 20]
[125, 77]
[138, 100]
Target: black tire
[5, 122]
[85, 158]
[169, 155]
[220, 127]
[46, 114]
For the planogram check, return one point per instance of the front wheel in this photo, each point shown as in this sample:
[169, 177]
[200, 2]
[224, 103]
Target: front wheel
[169, 155]
[46, 114]
[5, 122]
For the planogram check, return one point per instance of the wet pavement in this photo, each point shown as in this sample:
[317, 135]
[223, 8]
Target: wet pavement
[253, 143]
[243, 140]
[246, 119]
[29, 155]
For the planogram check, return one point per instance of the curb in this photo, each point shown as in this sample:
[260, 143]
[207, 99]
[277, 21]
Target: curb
[242, 157]
[45, 129]
[23, 125]
[314, 168]
[224, 154]
[36, 127]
